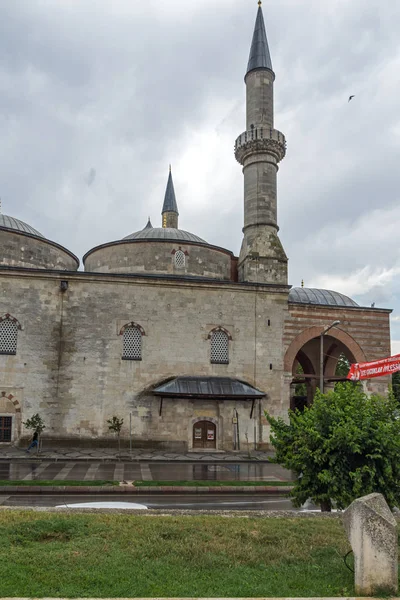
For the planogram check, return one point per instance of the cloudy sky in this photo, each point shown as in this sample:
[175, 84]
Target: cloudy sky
[99, 96]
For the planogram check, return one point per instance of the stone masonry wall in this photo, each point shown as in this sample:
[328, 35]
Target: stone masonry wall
[158, 258]
[21, 250]
[68, 365]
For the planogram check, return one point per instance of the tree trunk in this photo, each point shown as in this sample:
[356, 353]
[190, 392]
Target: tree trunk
[326, 506]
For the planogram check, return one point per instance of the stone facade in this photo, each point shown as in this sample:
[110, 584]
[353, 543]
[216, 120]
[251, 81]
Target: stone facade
[69, 363]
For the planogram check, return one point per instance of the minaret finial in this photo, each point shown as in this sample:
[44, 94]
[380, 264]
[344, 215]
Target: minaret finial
[170, 167]
[259, 3]
[302, 283]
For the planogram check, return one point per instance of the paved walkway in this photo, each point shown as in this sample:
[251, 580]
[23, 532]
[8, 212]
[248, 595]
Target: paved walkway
[137, 455]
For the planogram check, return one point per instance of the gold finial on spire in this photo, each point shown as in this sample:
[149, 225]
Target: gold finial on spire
[170, 168]
[259, 3]
[302, 283]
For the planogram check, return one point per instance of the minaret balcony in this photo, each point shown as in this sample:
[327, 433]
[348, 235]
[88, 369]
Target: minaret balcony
[260, 140]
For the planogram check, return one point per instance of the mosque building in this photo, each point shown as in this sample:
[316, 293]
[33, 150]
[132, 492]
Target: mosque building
[190, 341]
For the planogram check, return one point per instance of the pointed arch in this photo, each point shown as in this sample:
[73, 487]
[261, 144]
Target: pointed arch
[8, 317]
[132, 324]
[220, 328]
[314, 332]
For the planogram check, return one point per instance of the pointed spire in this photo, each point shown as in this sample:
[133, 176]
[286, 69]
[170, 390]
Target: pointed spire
[170, 208]
[149, 225]
[260, 57]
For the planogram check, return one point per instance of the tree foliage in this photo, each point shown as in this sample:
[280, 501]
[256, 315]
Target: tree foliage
[344, 446]
[396, 386]
[115, 424]
[35, 423]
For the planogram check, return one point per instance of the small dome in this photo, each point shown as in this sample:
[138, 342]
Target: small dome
[299, 295]
[11, 223]
[164, 233]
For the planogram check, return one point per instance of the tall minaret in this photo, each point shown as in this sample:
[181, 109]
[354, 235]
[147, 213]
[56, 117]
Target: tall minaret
[170, 208]
[259, 149]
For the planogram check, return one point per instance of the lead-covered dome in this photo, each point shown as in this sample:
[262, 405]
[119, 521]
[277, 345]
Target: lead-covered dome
[300, 295]
[165, 233]
[12, 223]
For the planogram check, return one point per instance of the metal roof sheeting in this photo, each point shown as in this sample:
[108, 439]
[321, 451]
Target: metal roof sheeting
[17, 225]
[215, 387]
[170, 204]
[300, 295]
[260, 57]
[165, 233]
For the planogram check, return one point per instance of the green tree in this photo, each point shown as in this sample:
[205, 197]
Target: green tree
[342, 366]
[396, 386]
[342, 447]
[35, 423]
[115, 424]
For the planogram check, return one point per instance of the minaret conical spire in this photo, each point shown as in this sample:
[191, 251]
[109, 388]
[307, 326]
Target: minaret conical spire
[260, 57]
[170, 208]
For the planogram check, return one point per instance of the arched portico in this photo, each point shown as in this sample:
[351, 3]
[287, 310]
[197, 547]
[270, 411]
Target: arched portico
[305, 351]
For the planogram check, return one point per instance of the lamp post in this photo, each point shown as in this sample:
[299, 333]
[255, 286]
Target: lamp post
[321, 356]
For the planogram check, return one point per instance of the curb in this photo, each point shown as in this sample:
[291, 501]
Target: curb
[126, 459]
[53, 490]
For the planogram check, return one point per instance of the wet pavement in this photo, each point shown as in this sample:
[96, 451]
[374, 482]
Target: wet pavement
[166, 502]
[31, 470]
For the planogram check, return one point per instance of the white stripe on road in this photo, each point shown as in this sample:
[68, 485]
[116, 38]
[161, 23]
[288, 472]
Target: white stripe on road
[64, 472]
[91, 472]
[145, 471]
[35, 472]
[119, 472]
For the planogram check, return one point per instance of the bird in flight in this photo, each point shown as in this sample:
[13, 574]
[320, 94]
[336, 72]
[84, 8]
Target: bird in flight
[351, 98]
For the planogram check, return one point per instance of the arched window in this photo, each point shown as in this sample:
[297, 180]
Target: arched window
[180, 259]
[219, 347]
[8, 335]
[132, 343]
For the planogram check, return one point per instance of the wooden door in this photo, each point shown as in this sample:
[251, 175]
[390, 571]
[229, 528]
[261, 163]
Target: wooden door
[204, 435]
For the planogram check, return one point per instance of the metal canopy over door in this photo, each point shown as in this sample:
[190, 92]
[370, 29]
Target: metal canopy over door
[204, 435]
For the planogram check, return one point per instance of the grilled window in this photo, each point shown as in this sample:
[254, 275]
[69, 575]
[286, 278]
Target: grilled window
[5, 429]
[219, 348]
[8, 337]
[132, 343]
[180, 259]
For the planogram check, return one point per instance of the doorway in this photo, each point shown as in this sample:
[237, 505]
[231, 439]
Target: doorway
[204, 435]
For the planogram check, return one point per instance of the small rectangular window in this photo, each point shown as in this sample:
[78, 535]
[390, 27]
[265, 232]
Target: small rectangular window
[132, 344]
[5, 429]
[8, 337]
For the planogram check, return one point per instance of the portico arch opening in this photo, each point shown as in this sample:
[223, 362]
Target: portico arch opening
[302, 361]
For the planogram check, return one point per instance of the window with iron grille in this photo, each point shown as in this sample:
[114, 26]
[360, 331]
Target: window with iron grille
[132, 343]
[5, 429]
[8, 337]
[220, 347]
[180, 259]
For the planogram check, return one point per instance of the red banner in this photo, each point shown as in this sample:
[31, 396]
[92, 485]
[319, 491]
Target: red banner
[376, 368]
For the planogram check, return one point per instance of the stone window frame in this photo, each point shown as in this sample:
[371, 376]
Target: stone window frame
[14, 320]
[229, 338]
[175, 252]
[133, 325]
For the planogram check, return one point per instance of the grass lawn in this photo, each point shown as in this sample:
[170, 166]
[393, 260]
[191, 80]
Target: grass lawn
[98, 555]
[56, 482]
[213, 483]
